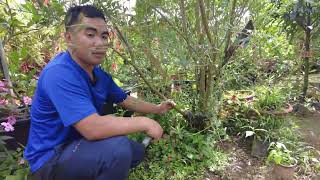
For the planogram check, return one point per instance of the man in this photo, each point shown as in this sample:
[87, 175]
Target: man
[69, 138]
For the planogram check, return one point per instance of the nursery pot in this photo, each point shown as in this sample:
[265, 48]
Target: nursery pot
[20, 134]
[284, 172]
[259, 148]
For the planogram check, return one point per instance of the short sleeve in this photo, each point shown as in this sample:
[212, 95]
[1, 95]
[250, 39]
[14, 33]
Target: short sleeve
[67, 93]
[116, 94]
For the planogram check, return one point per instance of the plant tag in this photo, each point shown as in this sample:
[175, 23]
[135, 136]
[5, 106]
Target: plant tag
[249, 133]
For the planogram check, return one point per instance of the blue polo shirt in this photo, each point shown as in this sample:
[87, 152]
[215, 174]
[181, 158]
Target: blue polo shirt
[65, 95]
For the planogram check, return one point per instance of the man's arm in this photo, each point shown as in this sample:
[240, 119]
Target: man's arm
[141, 106]
[95, 127]
[75, 108]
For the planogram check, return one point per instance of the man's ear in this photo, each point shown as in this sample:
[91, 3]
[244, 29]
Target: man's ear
[67, 37]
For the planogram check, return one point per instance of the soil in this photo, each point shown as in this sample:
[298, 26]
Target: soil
[242, 166]
[310, 128]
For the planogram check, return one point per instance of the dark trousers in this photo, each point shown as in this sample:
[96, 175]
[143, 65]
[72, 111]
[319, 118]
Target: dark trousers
[108, 159]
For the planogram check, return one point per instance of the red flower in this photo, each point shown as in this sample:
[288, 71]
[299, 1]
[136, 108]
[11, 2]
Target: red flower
[114, 66]
[234, 98]
[46, 2]
[118, 44]
[25, 67]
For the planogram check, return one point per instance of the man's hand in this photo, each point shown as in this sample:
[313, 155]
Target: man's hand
[152, 128]
[141, 106]
[165, 106]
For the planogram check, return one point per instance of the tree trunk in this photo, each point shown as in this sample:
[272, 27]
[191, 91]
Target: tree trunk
[1, 69]
[200, 70]
[5, 71]
[229, 31]
[183, 16]
[204, 69]
[306, 54]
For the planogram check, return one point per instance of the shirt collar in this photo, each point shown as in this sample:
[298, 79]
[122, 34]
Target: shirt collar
[79, 68]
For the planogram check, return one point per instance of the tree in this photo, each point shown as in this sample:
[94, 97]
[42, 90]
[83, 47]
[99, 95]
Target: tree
[303, 16]
[206, 35]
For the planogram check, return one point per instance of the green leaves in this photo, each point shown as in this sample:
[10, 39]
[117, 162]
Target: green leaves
[280, 155]
[4, 138]
[181, 155]
[10, 166]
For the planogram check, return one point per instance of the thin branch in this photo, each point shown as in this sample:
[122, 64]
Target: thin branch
[142, 76]
[183, 15]
[229, 31]
[23, 32]
[131, 54]
[205, 21]
[191, 49]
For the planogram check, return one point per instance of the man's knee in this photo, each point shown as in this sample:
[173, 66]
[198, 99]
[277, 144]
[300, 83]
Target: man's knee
[121, 149]
[125, 151]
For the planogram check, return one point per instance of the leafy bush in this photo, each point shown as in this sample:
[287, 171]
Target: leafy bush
[270, 98]
[181, 155]
[253, 114]
[11, 165]
[280, 155]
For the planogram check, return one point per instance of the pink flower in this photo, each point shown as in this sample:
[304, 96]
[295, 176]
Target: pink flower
[4, 102]
[3, 87]
[12, 120]
[7, 126]
[27, 100]
[2, 84]
[36, 77]
[21, 162]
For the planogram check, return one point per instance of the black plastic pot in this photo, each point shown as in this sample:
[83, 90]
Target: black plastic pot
[259, 148]
[20, 134]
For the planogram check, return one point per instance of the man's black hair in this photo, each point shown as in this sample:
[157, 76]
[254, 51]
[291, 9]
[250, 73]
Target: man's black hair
[73, 14]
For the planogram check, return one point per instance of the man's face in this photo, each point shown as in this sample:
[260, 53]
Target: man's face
[88, 40]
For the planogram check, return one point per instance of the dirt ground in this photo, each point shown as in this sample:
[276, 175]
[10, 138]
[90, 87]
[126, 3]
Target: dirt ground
[243, 166]
[310, 128]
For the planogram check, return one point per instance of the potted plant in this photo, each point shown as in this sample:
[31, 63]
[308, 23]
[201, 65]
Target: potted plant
[284, 164]
[14, 117]
[260, 143]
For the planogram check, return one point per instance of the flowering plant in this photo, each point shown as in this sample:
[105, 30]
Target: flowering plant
[11, 108]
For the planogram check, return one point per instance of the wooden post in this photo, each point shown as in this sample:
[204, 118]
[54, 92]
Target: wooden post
[5, 71]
